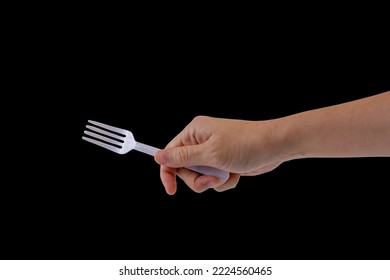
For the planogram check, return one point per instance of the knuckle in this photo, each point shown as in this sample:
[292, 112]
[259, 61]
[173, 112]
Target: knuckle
[198, 188]
[182, 154]
[200, 119]
[220, 189]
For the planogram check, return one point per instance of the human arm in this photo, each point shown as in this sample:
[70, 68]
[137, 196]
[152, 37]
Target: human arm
[359, 128]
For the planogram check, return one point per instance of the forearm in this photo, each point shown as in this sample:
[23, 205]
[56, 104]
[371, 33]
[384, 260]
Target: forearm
[359, 128]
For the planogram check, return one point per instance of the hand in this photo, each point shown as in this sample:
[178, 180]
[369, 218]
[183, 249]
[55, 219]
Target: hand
[243, 148]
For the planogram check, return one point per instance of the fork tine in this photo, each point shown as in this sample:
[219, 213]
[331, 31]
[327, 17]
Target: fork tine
[109, 140]
[101, 144]
[109, 127]
[105, 132]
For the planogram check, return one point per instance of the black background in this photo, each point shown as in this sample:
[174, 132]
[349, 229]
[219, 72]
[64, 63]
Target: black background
[75, 200]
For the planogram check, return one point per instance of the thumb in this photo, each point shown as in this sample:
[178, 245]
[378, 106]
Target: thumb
[181, 156]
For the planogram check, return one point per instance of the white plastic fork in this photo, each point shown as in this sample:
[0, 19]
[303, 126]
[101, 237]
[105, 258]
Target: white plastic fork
[126, 142]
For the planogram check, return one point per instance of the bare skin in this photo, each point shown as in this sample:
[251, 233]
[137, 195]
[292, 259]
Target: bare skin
[359, 128]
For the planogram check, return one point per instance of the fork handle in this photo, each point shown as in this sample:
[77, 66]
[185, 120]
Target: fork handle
[205, 170]
[147, 149]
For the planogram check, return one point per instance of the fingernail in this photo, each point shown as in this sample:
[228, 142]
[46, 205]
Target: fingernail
[161, 157]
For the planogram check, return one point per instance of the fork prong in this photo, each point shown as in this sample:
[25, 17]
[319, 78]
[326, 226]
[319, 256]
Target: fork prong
[109, 140]
[101, 144]
[106, 133]
[109, 127]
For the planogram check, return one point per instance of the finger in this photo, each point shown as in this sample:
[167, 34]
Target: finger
[168, 179]
[229, 184]
[184, 156]
[197, 182]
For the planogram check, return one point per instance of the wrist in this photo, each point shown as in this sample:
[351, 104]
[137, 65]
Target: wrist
[288, 138]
